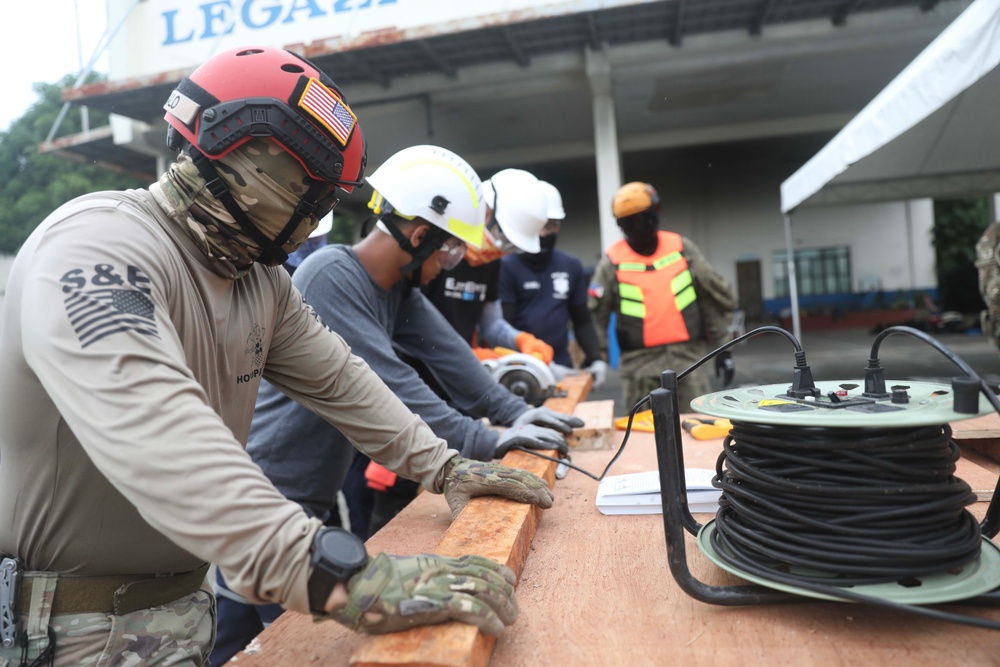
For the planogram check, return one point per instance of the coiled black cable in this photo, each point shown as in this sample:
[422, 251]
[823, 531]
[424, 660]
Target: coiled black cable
[853, 506]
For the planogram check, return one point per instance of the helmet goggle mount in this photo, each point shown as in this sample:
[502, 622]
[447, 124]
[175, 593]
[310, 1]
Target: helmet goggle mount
[227, 124]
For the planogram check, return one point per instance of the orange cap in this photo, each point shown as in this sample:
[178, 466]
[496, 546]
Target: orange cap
[633, 198]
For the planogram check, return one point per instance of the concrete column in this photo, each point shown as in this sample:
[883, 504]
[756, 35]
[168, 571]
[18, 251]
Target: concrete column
[607, 157]
[910, 263]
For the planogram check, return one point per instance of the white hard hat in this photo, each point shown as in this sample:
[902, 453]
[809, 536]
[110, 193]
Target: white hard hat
[554, 200]
[435, 184]
[324, 226]
[519, 207]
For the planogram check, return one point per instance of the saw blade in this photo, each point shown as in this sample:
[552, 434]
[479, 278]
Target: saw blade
[525, 385]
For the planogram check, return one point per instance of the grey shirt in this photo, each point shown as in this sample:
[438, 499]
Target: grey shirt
[304, 456]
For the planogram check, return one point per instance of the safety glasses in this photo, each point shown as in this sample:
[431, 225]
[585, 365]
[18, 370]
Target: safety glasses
[451, 253]
[497, 238]
[551, 227]
[493, 231]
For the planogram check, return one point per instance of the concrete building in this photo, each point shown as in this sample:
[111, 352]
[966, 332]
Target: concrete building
[715, 102]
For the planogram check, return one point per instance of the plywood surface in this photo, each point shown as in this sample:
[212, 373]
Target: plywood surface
[980, 428]
[598, 427]
[596, 591]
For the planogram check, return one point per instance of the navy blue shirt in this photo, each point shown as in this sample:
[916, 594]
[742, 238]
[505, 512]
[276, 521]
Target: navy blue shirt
[543, 299]
[461, 293]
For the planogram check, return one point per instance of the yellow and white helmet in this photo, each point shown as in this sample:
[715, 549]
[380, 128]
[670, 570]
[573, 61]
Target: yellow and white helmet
[434, 184]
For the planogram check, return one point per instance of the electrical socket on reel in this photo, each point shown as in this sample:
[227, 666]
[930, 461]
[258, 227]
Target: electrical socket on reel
[863, 442]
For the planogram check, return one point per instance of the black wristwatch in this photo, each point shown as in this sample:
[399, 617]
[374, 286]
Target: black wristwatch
[336, 555]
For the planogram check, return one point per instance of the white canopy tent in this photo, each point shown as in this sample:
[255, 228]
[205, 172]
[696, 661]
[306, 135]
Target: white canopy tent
[934, 131]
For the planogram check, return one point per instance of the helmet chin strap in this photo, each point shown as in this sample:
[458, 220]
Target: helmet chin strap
[272, 252]
[419, 254]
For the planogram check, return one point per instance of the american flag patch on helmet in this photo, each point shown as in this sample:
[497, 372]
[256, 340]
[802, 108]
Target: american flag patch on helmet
[329, 110]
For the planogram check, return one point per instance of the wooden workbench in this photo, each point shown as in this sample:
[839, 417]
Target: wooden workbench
[596, 590]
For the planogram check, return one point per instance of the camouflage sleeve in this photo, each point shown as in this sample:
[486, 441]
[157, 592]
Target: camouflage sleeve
[602, 295]
[988, 266]
[715, 295]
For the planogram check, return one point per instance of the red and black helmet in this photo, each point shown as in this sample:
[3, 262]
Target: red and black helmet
[262, 91]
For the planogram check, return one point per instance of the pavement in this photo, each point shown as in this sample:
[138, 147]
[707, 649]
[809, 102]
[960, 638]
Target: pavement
[842, 354]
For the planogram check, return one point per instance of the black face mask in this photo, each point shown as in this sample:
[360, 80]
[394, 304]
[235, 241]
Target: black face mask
[540, 259]
[640, 232]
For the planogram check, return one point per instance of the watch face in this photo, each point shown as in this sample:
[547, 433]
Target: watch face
[342, 548]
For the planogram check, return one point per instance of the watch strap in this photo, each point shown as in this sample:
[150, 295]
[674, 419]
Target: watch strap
[364, 590]
[327, 573]
[321, 584]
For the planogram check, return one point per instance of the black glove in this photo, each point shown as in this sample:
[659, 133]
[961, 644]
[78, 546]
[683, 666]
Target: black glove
[725, 367]
[549, 418]
[530, 436]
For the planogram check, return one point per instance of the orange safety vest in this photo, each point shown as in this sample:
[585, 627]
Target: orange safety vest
[648, 314]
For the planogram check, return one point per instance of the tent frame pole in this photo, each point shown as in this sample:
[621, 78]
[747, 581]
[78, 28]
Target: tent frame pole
[793, 287]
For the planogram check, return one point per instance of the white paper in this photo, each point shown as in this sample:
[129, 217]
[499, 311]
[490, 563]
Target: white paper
[639, 493]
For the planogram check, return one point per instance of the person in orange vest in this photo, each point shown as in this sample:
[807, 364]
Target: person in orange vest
[669, 304]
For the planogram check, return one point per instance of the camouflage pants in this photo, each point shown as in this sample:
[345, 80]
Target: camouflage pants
[637, 387]
[179, 633]
[640, 373]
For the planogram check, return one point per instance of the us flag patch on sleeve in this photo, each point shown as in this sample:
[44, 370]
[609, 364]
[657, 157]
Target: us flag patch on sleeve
[331, 111]
[108, 303]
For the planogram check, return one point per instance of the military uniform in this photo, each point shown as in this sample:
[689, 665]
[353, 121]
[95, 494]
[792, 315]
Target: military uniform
[988, 263]
[640, 368]
[131, 372]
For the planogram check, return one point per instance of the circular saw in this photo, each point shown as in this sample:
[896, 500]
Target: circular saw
[524, 375]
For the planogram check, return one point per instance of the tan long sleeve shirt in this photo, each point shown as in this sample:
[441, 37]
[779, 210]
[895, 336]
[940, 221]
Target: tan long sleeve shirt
[130, 375]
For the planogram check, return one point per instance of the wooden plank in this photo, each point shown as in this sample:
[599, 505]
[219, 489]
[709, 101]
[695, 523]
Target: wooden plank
[982, 481]
[983, 452]
[576, 387]
[986, 427]
[981, 460]
[496, 528]
[598, 425]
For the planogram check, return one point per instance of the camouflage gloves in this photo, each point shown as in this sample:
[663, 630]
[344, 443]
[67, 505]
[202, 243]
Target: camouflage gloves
[467, 479]
[394, 593]
[548, 418]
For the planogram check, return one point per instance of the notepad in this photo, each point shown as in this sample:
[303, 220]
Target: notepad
[639, 493]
